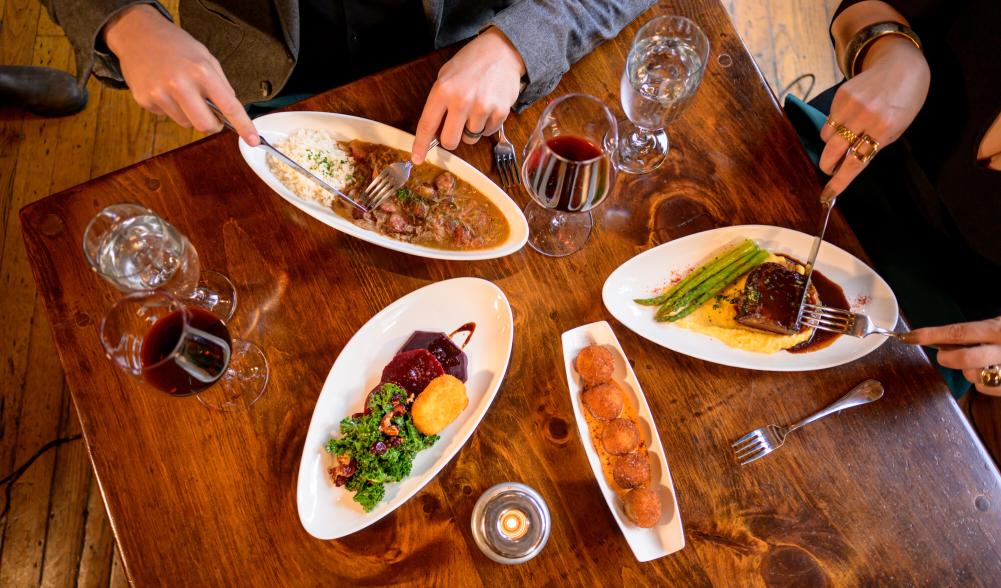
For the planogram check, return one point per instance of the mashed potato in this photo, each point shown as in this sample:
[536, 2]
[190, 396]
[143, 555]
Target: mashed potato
[717, 318]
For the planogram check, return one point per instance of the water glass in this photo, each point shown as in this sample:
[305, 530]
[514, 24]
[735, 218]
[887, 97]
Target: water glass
[662, 73]
[135, 249]
[568, 170]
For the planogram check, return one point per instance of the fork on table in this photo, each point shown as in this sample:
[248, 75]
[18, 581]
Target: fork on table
[760, 442]
[506, 161]
[390, 179]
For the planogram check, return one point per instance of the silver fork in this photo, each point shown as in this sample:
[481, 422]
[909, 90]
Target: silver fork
[506, 160]
[760, 442]
[391, 179]
[844, 322]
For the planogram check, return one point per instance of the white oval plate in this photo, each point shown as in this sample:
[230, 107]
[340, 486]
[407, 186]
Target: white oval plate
[642, 275]
[668, 535]
[329, 512]
[277, 126]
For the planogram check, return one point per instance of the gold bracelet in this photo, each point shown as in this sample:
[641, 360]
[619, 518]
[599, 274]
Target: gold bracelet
[863, 40]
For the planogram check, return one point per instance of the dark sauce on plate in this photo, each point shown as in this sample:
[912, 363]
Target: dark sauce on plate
[831, 295]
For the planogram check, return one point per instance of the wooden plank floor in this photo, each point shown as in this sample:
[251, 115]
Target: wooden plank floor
[55, 531]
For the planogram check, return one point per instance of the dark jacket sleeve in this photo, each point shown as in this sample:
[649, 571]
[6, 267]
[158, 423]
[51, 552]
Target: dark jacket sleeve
[82, 21]
[551, 35]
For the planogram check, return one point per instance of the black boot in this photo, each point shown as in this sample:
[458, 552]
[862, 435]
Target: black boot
[41, 90]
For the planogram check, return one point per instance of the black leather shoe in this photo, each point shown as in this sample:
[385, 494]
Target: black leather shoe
[41, 90]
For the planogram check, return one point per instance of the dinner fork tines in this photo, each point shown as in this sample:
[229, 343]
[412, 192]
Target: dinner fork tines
[842, 321]
[390, 179]
[506, 160]
[760, 442]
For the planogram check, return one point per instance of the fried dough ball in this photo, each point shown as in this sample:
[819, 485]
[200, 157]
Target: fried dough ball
[603, 401]
[595, 365]
[439, 404]
[642, 506]
[632, 470]
[620, 436]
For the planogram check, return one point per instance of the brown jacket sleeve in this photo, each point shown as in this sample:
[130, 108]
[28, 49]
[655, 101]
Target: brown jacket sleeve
[82, 21]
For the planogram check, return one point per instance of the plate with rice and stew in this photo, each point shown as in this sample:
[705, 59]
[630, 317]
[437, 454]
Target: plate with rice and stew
[447, 210]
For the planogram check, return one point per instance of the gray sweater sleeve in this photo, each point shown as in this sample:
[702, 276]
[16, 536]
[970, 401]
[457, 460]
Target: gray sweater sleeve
[82, 21]
[551, 35]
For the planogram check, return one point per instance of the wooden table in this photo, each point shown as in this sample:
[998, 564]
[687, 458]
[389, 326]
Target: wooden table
[899, 492]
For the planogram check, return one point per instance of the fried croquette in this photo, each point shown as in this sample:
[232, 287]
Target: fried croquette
[642, 506]
[632, 470]
[603, 401]
[439, 404]
[620, 436]
[595, 365]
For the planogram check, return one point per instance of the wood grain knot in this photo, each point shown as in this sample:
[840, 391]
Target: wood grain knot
[678, 216]
[557, 430]
[467, 489]
[982, 503]
[430, 505]
[791, 566]
[51, 225]
[153, 184]
[82, 319]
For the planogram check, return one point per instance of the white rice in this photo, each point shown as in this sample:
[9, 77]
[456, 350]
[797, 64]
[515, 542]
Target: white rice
[317, 151]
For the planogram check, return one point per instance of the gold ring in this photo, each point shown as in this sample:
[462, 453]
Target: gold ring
[864, 157]
[990, 376]
[842, 130]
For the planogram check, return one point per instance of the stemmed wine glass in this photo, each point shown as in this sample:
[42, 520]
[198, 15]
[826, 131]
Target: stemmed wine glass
[568, 170]
[662, 73]
[135, 249]
[183, 350]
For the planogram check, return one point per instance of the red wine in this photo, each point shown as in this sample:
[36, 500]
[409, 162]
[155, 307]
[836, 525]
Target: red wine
[182, 361]
[569, 173]
[573, 148]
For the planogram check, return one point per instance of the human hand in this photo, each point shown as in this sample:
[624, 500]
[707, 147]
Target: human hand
[881, 101]
[171, 73]
[476, 89]
[982, 348]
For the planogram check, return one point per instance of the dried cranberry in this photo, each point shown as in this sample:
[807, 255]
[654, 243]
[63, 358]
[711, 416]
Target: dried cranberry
[378, 448]
[340, 480]
[393, 442]
[348, 469]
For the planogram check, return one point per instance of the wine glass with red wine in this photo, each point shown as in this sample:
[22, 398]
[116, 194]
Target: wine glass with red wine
[135, 249]
[568, 170]
[183, 350]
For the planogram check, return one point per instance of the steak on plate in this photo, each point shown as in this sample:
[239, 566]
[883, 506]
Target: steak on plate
[770, 301]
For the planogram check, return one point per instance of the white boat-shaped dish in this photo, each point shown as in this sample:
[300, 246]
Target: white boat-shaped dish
[644, 274]
[329, 512]
[668, 535]
[276, 127]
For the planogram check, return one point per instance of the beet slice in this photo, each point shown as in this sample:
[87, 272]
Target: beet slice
[452, 359]
[412, 370]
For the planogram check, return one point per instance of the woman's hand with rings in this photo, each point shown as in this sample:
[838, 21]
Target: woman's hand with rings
[875, 106]
[979, 356]
[473, 94]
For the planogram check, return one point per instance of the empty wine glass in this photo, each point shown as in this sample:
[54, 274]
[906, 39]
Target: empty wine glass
[135, 249]
[662, 73]
[568, 170]
[183, 350]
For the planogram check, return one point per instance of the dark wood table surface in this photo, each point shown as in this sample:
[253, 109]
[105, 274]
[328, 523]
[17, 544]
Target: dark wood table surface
[898, 492]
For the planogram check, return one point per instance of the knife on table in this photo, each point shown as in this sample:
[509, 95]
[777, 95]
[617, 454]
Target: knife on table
[289, 161]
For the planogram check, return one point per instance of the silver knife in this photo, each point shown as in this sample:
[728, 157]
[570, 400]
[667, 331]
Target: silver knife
[827, 199]
[289, 161]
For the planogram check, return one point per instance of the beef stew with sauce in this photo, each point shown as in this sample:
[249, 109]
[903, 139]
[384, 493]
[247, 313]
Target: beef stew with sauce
[434, 208]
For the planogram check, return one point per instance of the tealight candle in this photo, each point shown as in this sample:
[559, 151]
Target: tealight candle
[510, 523]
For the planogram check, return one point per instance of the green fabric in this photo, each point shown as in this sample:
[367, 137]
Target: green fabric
[901, 251]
